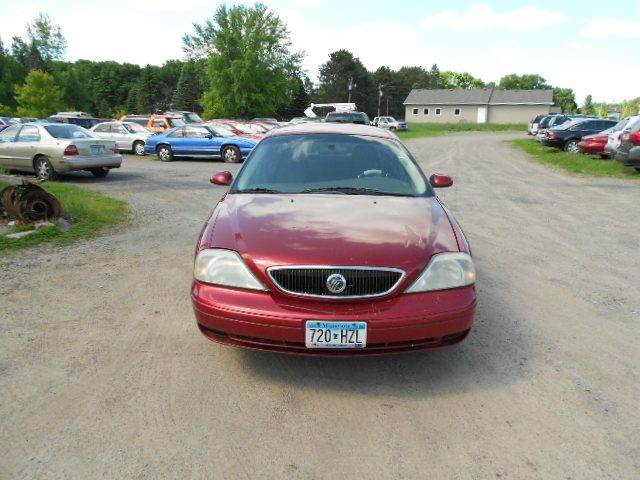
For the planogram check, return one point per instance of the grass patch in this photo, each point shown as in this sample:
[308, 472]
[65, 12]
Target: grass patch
[93, 213]
[419, 130]
[575, 163]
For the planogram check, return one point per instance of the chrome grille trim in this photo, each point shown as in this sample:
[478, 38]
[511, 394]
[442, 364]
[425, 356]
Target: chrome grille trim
[335, 268]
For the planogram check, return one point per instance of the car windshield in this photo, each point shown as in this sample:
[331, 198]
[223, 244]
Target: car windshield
[178, 122]
[135, 128]
[192, 117]
[331, 163]
[68, 131]
[224, 130]
[243, 128]
[255, 128]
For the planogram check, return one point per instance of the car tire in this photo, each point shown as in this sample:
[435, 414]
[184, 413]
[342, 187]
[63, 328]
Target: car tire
[43, 168]
[138, 148]
[571, 146]
[604, 156]
[100, 172]
[231, 154]
[637, 169]
[165, 154]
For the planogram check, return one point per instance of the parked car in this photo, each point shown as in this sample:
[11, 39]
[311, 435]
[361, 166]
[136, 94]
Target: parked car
[236, 128]
[52, 148]
[542, 127]
[331, 241]
[628, 153]
[594, 144]
[128, 136]
[199, 141]
[306, 119]
[6, 121]
[187, 117]
[272, 121]
[568, 135]
[81, 121]
[163, 123]
[142, 120]
[533, 125]
[359, 118]
[613, 141]
[390, 123]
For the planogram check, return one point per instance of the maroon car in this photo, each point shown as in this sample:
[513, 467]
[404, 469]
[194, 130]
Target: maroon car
[331, 241]
[594, 144]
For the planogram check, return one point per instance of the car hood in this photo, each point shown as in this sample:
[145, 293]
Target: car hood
[325, 229]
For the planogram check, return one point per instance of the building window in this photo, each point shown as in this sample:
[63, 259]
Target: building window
[415, 111]
[426, 111]
[438, 111]
[456, 112]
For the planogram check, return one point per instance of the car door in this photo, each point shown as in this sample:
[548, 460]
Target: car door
[103, 131]
[7, 143]
[178, 142]
[123, 139]
[199, 141]
[25, 146]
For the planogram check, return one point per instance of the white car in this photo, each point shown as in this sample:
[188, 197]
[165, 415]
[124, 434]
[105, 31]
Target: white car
[390, 123]
[615, 136]
[128, 136]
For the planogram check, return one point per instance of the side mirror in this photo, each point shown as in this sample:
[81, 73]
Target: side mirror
[209, 136]
[438, 180]
[222, 178]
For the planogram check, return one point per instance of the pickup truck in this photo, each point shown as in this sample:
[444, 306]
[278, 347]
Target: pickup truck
[390, 123]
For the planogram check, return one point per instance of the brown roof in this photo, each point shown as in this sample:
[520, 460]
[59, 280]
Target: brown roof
[479, 96]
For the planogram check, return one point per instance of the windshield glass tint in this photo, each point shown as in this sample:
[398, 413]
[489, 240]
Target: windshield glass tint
[135, 128]
[328, 162]
[67, 131]
[192, 118]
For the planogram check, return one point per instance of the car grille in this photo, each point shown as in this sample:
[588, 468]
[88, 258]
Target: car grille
[362, 282]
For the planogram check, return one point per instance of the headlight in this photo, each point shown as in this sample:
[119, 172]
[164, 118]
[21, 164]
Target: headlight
[445, 270]
[225, 267]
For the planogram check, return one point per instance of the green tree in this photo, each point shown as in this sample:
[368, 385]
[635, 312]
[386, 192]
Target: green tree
[47, 38]
[528, 81]
[149, 91]
[39, 96]
[11, 74]
[251, 67]
[565, 99]
[188, 91]
[338, 72]
[588, 108]
[460, 80]
[433, 80]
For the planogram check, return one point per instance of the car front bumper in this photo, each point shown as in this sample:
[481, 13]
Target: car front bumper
[552, 142]
[265, 321]
[82, 162]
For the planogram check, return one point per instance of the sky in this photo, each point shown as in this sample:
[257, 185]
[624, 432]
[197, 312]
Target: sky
[585, 45]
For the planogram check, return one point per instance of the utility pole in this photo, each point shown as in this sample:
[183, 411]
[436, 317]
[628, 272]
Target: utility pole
[380, 98]
[351, 85]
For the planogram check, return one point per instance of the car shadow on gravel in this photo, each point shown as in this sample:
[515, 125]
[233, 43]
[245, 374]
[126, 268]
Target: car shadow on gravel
[496, 353]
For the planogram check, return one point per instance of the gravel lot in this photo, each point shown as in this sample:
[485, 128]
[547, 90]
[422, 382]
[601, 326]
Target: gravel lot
[103, 373]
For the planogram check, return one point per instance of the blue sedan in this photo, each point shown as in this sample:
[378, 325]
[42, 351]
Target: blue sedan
[199, 141]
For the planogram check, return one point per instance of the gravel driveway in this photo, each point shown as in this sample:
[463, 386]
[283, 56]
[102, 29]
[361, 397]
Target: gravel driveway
[103, 373]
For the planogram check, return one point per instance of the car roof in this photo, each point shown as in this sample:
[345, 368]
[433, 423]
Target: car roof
[336, 128]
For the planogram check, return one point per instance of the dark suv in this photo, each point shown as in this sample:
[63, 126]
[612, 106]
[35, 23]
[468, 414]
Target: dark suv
[568, 135]
[347, 117]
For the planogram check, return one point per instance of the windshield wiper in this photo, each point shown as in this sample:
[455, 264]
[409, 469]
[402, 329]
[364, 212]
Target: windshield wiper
[353, 191]
[258, 190]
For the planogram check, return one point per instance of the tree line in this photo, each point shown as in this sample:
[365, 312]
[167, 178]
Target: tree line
[238, 64]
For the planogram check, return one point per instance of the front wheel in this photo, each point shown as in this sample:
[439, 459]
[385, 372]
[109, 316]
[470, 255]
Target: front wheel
[231, 154]
[100, 172]
[165, 154]
[43, 168]
[572, 146]
[138, 148]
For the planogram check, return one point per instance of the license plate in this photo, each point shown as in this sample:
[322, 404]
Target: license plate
[336, 334]
[96, 149]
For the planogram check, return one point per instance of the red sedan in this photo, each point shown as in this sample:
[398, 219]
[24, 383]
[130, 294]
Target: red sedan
[236, 128]
[594, 144]
[331, 241]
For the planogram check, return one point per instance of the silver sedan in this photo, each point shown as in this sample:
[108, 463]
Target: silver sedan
[127, 135]
[51, 148]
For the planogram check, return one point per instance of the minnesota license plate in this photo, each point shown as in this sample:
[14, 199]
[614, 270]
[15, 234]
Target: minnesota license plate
[336, 334]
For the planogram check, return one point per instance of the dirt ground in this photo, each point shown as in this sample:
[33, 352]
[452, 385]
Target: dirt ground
[103, 373]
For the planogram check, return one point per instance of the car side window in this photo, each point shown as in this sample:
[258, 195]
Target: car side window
[29, 133]
[179, 133]
[160, 123]
[118, 129]
[102, 128]
[9, 134]
[191, 132]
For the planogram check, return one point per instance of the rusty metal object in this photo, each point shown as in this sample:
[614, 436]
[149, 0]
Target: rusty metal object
[29, 203]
